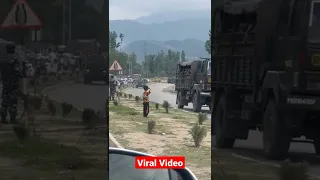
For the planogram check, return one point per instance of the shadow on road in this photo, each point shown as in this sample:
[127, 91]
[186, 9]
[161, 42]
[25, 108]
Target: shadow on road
[258, 154]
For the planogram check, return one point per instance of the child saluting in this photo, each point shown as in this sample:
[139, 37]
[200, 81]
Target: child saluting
[145, 97]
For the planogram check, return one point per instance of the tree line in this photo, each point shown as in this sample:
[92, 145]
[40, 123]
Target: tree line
[160, 64]
[164, 64]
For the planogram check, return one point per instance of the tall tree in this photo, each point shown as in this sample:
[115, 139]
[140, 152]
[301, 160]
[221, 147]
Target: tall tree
[183, 56]
[208, 43]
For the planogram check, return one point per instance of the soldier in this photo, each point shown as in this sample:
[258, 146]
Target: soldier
[11, 73]
[113, 87]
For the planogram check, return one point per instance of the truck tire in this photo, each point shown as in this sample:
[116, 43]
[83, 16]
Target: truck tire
[220, 123]
[196, 102]
[179, 97]
[316, 143]
[276, 139]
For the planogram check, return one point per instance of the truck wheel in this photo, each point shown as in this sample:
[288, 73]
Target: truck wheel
[316, 143]
[220, 125]
[179, 97]
[276, 139]
[196, 102]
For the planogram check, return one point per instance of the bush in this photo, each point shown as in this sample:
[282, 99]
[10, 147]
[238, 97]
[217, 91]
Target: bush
[166, 106]
[66, 109]
[21, 132]
[201, 118]
[130, 96]
[157, 106]
[137, 98]
[115, 102]
[125, 95]
[35, 102]
[120, 94]
[88, 116]
[293, 171]
[151, 126]
[198, 133]
[52, 108]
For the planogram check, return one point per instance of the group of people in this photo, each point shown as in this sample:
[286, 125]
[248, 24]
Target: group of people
[145, 96]
[12, 71]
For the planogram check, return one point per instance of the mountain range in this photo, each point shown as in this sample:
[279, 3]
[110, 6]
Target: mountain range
[179, 31]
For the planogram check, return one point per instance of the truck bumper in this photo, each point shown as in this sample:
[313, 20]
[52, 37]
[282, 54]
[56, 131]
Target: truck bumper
[302, 102]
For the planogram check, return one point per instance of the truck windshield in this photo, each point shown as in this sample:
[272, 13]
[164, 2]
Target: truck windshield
[209, 68]
[314, 22]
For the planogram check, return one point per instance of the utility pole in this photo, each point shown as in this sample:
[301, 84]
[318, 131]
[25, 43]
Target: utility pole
[70, 20]
[144, 51]
[63, 23]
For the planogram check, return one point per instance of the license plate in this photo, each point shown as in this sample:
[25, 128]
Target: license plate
[315, 60]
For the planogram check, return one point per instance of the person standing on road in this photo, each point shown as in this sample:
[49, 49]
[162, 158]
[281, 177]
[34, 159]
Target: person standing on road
[145, 97]
[11, 73]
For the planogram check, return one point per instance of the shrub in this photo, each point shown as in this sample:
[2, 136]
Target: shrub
[166, 106]
[157, 106]
[151, 126]
[198, 133]
[120, 94]
[21, 132]
[201, 118]
[66, 109]
[88, 116]
[52, 108]
[130, 96]
[35, 102]
[125, 95]
[115, 102]
[137, 98]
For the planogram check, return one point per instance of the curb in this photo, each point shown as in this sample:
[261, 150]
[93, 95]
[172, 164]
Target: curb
[111, 137]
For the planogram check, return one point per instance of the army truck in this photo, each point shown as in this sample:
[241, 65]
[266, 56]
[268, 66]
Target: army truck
[266, 72]
[192, 84]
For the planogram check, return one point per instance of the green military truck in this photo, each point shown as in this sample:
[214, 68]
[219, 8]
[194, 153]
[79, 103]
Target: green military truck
[192, 84]
[266, 72]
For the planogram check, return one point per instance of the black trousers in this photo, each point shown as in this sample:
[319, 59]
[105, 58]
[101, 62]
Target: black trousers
[145, 109]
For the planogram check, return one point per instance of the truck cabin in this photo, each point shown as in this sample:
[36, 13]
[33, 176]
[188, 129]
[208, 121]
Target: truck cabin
[267, 35]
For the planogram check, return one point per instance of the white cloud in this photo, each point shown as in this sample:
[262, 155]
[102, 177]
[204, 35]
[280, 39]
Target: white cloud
[129, 9]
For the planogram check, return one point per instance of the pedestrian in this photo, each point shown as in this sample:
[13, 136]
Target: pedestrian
[145, 96]
[12, 73]
[113, 87]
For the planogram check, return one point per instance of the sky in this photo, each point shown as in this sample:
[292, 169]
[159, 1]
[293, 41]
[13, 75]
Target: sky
[129, 9]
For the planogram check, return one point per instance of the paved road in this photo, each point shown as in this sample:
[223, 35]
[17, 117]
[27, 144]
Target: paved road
[83, 96]
[93, 96]
[157, 95]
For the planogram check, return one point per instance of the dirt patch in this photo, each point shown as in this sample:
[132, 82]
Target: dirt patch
[171, 134]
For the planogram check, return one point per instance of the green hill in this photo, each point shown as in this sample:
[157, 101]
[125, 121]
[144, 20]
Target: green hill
[192, 47]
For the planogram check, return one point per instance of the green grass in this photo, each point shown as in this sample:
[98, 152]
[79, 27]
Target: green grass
[123, 110]
[45, 154]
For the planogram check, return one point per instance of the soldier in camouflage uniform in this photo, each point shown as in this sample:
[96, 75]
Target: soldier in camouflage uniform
[11, 73]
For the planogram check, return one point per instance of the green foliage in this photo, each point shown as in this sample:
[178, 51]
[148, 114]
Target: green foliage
[66, 109]
[166, 106]
[208, 43]
[202, 117]
[151, 126]
[198, 133]
[115, 42]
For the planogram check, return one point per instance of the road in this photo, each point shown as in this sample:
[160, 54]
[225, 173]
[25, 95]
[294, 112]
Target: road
[93, 96]
[157, 95]
[83, 96]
